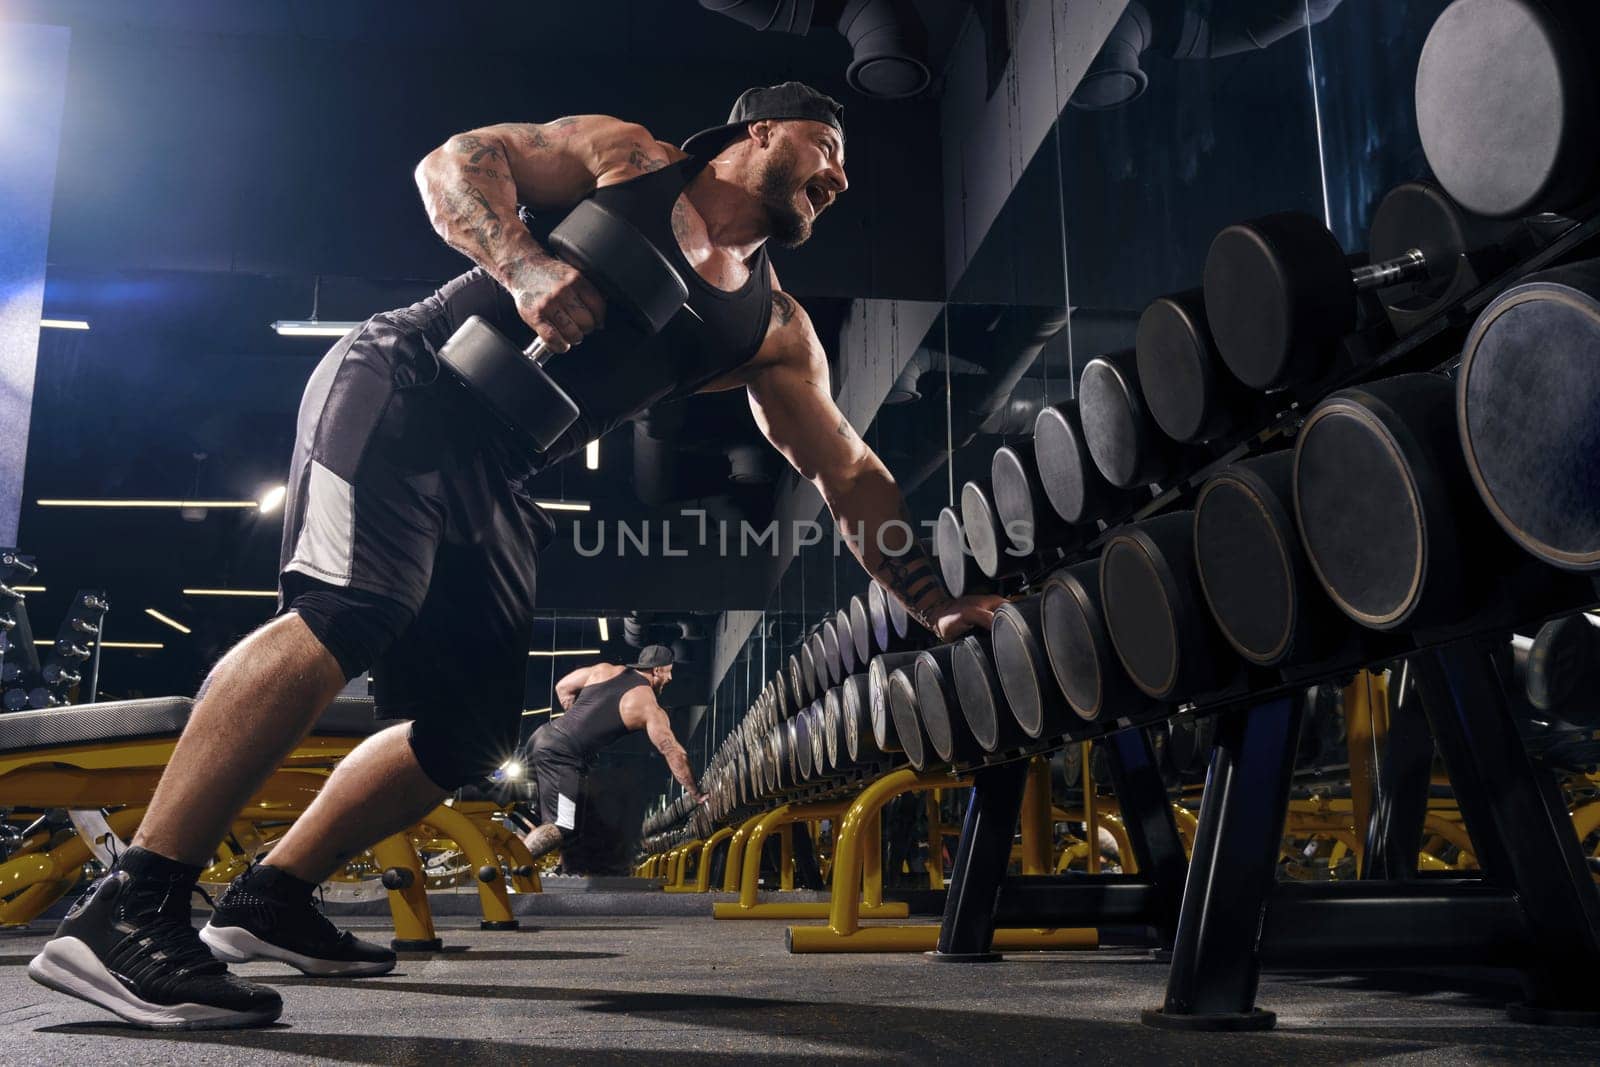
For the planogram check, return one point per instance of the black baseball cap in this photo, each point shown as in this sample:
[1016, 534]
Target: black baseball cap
[790, 100]
[653, 656]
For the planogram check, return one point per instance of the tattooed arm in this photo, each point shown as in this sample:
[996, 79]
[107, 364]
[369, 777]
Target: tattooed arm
[793, 406]
[472, 184]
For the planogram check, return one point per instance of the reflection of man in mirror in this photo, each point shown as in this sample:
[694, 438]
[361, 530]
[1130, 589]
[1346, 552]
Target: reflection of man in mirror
[600, 704]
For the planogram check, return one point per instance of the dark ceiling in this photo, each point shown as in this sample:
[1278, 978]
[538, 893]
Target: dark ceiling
[221, 161]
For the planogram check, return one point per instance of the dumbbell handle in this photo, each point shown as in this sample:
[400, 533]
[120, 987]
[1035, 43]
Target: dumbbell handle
[1408, 266]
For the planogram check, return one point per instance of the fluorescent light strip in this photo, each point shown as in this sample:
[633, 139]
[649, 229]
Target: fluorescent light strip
[534, 711]
[169, 620]
[312, 328]
[568, 652]
[591, 455]
[232, 592]
[563, 505]
[67, 503]
[28, 588]
[605, 629]
[117, 644]
[63, 324]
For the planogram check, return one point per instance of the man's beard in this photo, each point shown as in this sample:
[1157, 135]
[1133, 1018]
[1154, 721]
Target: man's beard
[776, 188]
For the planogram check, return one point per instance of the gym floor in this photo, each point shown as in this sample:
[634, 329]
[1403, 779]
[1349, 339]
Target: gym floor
[592, 989]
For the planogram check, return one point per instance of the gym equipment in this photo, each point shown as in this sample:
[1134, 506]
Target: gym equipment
[861, 631]
[1385, 507]
[1187, 389]
[1563, 670]
[1155, 609]
[1189, 741]
[990, 543]
[1508, 105]
[886, 730]
[1071, 481]
[861, 726]
[1528, 413]
[1253, 569]
[960, 571]
[983, 702]
[938, 705]
[799, 688]
[1084, 663]
[902, 700]
[848, 660]
[891, 626]
[639, 285]
[1124, 439]
[1021, 503]
[1030, 688]
[1281, 294]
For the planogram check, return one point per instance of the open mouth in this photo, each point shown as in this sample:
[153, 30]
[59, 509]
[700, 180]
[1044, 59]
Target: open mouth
[817, 197]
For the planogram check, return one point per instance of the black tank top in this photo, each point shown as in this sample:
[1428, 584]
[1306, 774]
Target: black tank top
[619, 371]
[595, 718]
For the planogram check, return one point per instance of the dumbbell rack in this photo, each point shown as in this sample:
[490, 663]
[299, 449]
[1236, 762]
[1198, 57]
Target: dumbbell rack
[1533, 908]
[33, 684]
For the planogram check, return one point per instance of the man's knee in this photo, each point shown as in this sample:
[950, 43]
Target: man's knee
[453, 754]
[355, 626]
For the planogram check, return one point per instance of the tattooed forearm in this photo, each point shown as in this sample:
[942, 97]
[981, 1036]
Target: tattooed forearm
[911, 576]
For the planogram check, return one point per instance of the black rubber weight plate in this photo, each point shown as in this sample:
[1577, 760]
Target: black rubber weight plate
[1073, 654]
[1246, 305]
[1109, 425]
[1358, 515]
[932, 708]
[1139, 617]
[1015, 664]
[1172, 370]
[1061, 458]
[976, 696]
[1493, 106]
[1530, 403]
[1244, 569]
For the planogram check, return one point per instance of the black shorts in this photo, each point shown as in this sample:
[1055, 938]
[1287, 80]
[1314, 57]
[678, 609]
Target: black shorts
[558, 775]
[402, 487]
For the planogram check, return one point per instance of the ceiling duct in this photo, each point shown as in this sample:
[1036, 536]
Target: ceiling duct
[887, 38]
[1186, 29]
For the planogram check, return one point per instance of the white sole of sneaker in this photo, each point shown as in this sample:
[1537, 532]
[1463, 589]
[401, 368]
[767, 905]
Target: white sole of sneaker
[69, 966]
[235, 944]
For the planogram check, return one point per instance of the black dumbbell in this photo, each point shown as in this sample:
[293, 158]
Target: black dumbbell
[956, 565]
[1563, 670]
[1071, 481]
[1023, 506]
[488, 873]
[1281, 293]
[1187, 389]
[1508, 104]
[1527, 417]
[861, 631]
[638, 283]
[14, 699]
[848, 662]
[1124, 439]
[994, 548]
[902, 708]
[1091, 677]
[56, 674]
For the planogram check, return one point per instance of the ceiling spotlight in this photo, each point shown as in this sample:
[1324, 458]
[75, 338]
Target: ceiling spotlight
[591, 455]
[272, 499]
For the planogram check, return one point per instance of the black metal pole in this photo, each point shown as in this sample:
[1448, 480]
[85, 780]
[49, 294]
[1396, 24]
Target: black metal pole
[1216, 963]
[967, 931]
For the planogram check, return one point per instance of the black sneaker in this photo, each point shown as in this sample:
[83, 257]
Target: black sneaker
[135, 954]
[248, 924]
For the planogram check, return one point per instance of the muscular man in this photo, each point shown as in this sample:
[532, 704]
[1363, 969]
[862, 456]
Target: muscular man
[603, 702]
[409, 544]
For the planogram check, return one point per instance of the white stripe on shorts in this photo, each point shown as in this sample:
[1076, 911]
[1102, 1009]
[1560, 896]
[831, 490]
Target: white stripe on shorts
[325, 548]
